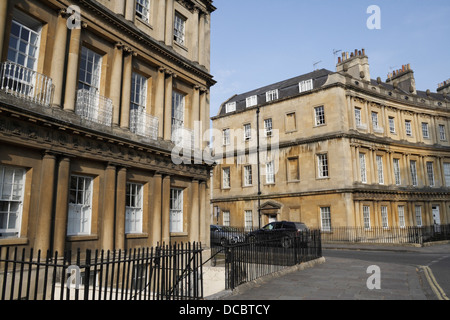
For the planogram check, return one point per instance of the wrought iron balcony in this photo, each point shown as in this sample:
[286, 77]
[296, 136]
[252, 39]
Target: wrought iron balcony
[25, 83]
[144, 124]
[94, 107]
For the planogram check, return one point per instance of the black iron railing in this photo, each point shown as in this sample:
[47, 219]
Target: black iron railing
[168, 272]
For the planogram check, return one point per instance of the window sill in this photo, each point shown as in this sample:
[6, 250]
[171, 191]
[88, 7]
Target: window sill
[136, 235]
[181, 46]
[178, 234]
[88, 237]
[13, 241]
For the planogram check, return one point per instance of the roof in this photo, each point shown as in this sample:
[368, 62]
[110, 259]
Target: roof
[285, 89]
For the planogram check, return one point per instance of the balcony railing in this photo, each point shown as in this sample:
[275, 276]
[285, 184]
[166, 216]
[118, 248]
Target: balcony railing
[144, 124]
[94, 107]
[183, 137]
[25, 83]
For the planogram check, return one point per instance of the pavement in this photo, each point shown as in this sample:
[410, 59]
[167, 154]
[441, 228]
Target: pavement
[333, 278]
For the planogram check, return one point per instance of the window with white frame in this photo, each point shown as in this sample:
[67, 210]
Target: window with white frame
[247, 132]
[401, 216]
[442, 134]
[271, 95]
[12, 184]
[226, 183]
[230, 107]
[413, 167]
[248, 222]
[306, 85]
[90, 70]
[447, 173]
[251, 101]
[138, 92]
[425, 131]
[24, 42]
[362, 165]
[179, 29]
[380, 169]
[270, 172]
[384, 217]
[418, 216]
[366, 217]
[143, 9]
[268, 127]
[133, 208]
[226, 218]
[176, 210]
[325, 218]
[391, 124]
[375, 120]
[358, 117]
[178, 104]
[322, 165]
[80, 206]
[248, 177]
[319, 113]
[408, 128]
[226, 139]
[397, 175]
[430, 174]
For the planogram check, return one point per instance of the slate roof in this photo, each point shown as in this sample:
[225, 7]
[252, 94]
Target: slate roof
[285, 88]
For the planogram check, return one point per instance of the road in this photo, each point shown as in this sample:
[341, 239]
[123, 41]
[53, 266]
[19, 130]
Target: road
[405, 273]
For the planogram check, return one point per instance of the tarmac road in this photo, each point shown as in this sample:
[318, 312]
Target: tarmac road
[405, 273]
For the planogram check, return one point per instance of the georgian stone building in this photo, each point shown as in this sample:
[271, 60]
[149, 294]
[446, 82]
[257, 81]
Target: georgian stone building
[335, 149]
[93, 98]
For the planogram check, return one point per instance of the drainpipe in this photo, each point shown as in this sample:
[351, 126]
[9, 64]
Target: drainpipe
[259, 169]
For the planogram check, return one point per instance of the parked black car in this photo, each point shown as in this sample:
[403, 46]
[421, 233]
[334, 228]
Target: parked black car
[223, 235]
[284, 231]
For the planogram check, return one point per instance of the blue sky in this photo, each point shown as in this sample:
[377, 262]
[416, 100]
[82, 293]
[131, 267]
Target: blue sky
[258, 42]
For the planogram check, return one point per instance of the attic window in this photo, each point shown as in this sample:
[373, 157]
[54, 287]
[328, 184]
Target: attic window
[230, 107]
[271, 95]
[252, 101]
[306, 85]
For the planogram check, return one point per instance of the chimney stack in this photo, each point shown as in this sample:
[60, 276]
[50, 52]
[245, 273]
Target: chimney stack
[444, 87]
[403, 79]
[356, 64]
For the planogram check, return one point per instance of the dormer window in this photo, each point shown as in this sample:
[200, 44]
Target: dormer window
[306, 85]
[251, 101]
[230, 107]
[271, 95]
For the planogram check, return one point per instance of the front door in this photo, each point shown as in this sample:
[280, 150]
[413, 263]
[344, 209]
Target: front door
[436, 218]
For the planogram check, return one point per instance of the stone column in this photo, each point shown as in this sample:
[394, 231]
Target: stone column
[59, 59]
[109, 190]
[121, 189]
[168, 107]
[204, 116]
[130, 9]
[201, 39]
[195, 33]
[116, 82]
[169, 22]
[45, 206]
[194, 217]
[72, 70]
[3, 16]
[165, 210]
[62, 204]
[159, 101]
[195, 117]
[157, 210]
[126, 91]
[204, 226]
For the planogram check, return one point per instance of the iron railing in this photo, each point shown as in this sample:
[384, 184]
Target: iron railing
[162, 273]
[392, 235]
[94, 107]
[144, 124]
[26, 83]
[247, 260]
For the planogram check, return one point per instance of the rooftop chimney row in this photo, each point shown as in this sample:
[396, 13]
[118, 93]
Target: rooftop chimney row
[405, 68]
[347, 55]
